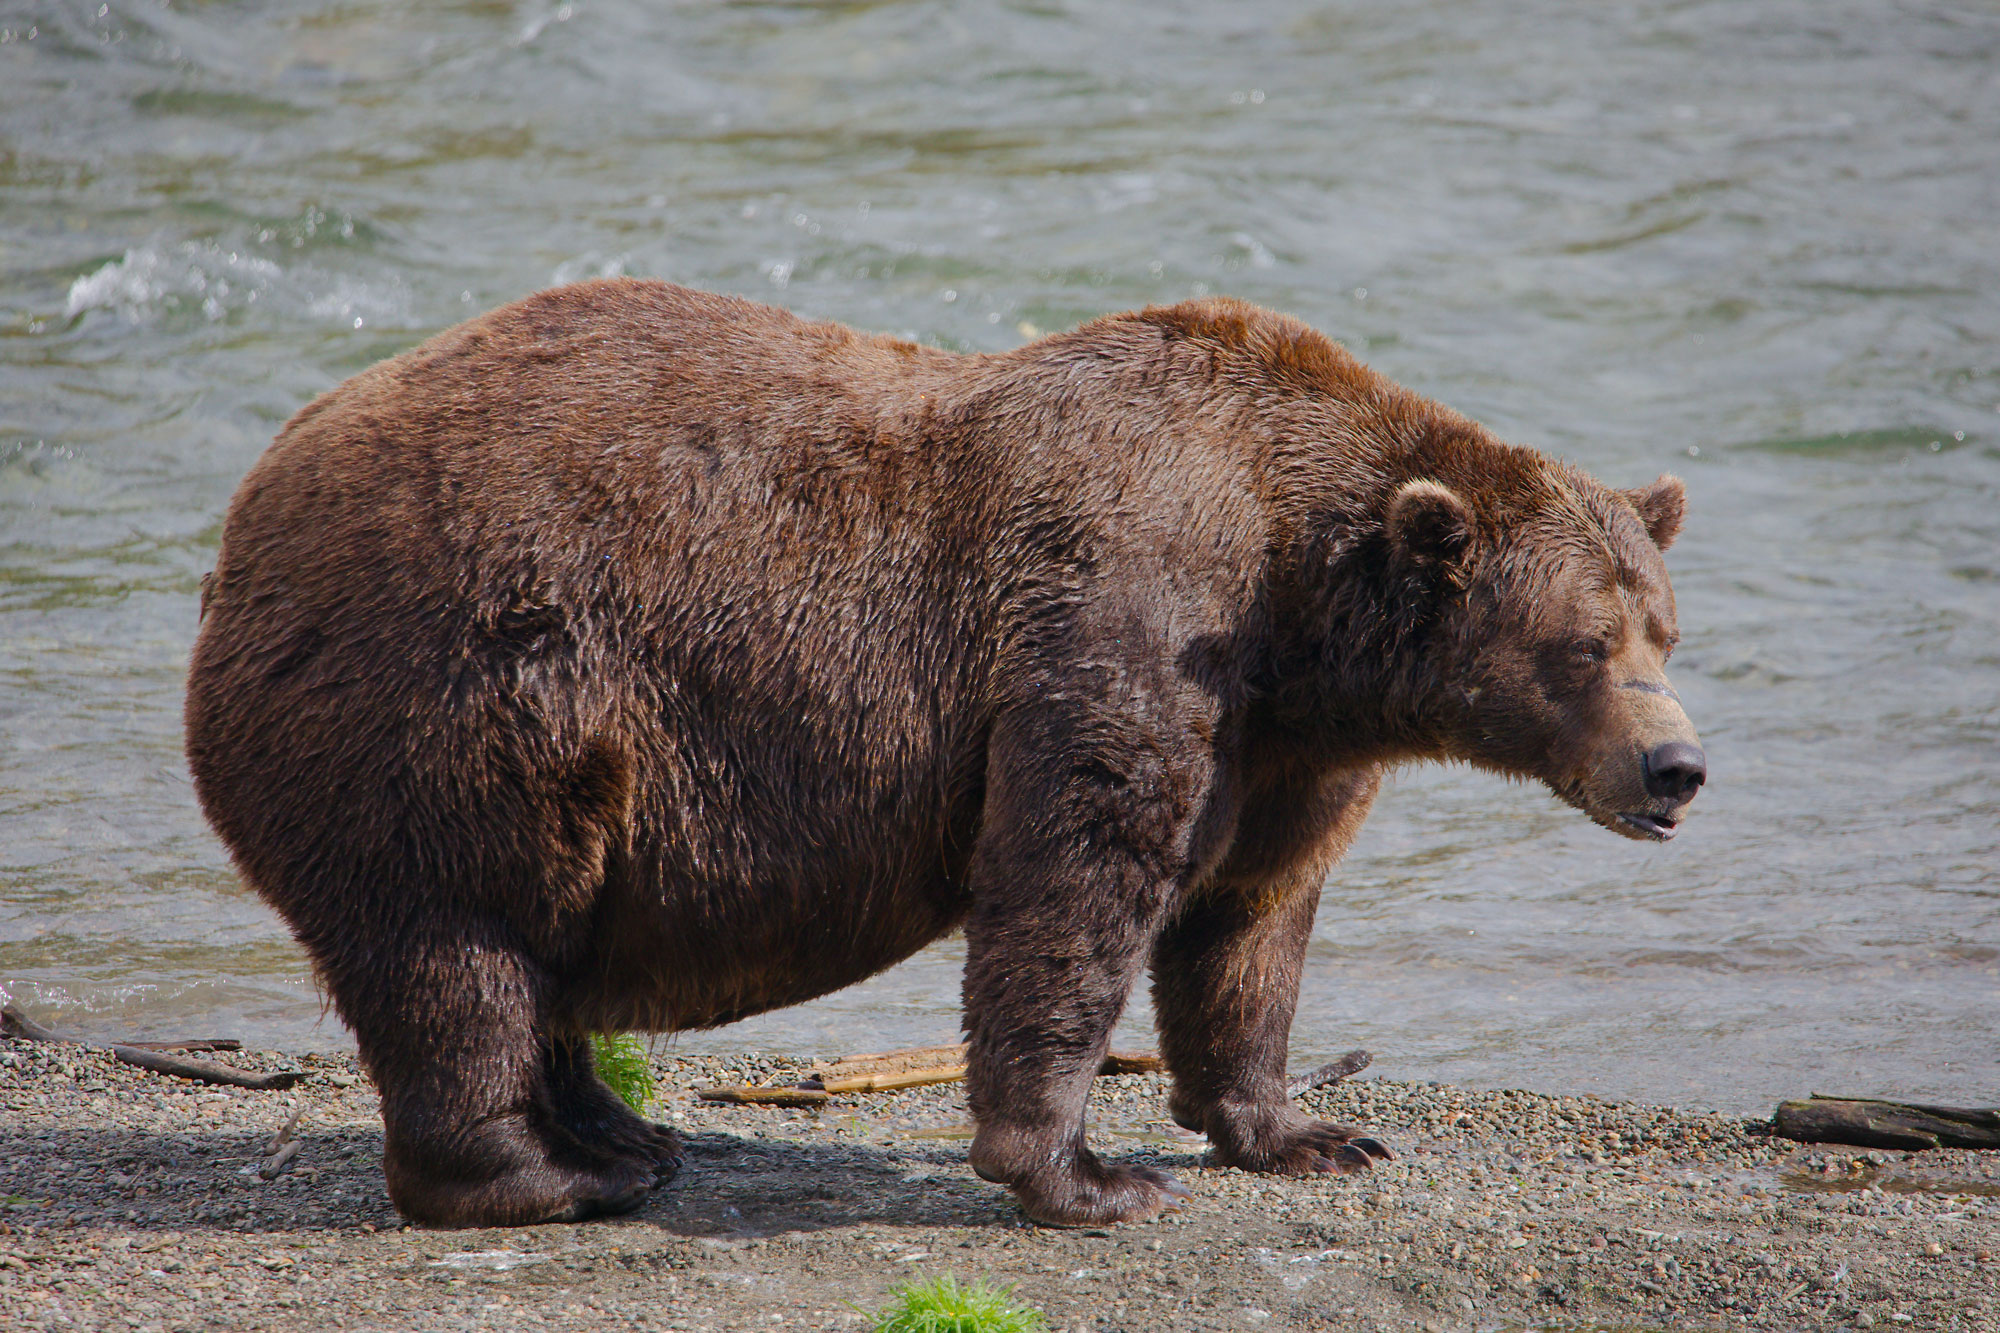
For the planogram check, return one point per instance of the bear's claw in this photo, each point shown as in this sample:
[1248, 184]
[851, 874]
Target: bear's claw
[1347, 1159]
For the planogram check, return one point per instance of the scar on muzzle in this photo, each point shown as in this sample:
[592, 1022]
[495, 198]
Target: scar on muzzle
[1650, 688]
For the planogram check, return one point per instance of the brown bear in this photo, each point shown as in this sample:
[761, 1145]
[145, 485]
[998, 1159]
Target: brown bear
[637, 658]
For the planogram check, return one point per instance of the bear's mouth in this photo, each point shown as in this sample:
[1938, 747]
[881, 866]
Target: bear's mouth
[1657, 827]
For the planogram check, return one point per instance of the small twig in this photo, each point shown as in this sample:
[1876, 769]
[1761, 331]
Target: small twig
[281, 1160]
[206, 1071]
[284, 1136]
[1332, 1072]
[189, 1044]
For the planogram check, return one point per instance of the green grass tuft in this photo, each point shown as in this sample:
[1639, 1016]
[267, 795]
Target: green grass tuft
[621, 1062]
[942, 1306]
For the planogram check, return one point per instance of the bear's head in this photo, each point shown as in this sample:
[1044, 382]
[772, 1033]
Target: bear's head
[1553, 624]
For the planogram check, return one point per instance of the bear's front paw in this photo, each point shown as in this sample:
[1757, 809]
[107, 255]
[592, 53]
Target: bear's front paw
[1304, 1147]
[1094, 1193]
[1070, 1186]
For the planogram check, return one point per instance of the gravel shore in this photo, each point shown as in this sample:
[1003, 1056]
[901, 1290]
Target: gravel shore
[131, 1200]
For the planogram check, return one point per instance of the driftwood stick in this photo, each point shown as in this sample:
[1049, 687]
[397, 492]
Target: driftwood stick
[908, 1078]
[14, 1023]
[280, 1161]
[1116, 1062]
[284, 1136]
[1130, 1062]
[752, 1096]
[155, 1055]
[935, 1062]
[886, 1071]
[1868, 1123]
[205, 1071]
[890, 1062]
[1331, 1072]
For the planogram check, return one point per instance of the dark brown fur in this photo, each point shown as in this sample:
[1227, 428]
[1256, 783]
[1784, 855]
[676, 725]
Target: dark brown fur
[632, 657]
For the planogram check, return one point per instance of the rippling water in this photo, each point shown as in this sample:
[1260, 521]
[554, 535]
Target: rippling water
[1755, 244]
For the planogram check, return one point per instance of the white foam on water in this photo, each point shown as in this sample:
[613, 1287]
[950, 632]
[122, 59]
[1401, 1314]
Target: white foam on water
[126, 284]
[155, 280]
[149, 281]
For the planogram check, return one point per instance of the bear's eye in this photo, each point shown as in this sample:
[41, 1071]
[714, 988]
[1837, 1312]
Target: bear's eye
[1592, 650]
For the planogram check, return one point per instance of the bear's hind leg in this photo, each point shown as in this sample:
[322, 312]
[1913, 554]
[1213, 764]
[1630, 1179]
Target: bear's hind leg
[591, 1112]
[451, 1028]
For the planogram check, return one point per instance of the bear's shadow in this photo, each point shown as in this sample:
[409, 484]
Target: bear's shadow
[730, 1186]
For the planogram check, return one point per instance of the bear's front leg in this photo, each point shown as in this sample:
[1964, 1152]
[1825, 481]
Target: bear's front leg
[1070, 877]
[1226, 985]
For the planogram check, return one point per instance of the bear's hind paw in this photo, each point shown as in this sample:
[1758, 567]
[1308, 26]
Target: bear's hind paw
[610, 1203]
[550, 1190]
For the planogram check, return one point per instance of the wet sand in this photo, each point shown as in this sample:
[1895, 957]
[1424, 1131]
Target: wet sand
[129, 1200]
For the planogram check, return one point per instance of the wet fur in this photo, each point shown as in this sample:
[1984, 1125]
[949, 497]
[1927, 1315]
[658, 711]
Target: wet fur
[632, 657]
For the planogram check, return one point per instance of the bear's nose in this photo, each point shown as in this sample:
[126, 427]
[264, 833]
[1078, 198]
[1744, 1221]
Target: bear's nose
[1676, 770]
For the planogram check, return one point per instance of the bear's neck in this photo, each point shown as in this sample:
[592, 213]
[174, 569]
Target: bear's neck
[1362, 645]
[1354, 676]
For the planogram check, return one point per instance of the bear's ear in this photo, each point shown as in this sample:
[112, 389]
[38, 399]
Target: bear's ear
[1662, 507]
[1430, 526]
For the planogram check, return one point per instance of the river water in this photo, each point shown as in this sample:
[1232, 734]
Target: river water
[1757, 245]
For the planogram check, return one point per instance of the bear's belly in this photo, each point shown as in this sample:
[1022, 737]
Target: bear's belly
[701, 955]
